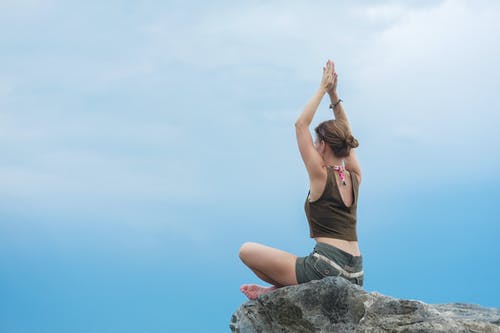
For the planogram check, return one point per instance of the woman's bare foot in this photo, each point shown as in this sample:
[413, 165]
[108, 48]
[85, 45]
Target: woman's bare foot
[253, 290]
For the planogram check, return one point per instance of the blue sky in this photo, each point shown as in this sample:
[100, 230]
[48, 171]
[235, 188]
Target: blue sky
[143, 143]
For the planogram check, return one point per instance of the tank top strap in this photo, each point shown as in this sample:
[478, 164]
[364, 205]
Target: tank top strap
[355, 186]
[330, 182]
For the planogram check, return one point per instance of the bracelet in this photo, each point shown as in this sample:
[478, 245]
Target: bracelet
[333, 106]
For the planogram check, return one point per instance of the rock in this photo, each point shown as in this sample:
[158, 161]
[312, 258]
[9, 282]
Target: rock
[336, 305]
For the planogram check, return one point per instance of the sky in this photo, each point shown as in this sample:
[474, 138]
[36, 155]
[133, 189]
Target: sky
[143, 142]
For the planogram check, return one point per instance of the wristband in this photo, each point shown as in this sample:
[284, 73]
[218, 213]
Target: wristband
[333, 106]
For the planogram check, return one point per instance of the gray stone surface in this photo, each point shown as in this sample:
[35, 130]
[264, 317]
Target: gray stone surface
[336, 305]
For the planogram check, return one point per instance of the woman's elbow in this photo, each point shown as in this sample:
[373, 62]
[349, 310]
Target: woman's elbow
[299, 123]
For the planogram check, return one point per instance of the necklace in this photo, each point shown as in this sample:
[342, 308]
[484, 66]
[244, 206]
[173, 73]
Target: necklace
[340, 170]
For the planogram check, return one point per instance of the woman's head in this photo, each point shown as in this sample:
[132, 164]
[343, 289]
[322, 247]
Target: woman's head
[337, 135]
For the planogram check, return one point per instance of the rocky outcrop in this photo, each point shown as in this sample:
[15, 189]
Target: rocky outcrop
[336, 305]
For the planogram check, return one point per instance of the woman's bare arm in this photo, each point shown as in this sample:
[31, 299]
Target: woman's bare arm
[338, 111]
[351, 162]
[312, 159]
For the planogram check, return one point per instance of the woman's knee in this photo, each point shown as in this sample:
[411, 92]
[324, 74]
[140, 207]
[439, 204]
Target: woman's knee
[247, 249]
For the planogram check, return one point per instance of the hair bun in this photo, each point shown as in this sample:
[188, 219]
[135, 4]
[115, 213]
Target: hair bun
[351, 142]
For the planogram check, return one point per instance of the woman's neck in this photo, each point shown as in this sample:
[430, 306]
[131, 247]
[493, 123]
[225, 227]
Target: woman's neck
[333, 160]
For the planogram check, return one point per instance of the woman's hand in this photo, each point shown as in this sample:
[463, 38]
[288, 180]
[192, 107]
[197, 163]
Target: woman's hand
[333, 90]
[329, 79]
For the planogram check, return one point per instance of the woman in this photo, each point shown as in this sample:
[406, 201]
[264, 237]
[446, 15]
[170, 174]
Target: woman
[334, 178]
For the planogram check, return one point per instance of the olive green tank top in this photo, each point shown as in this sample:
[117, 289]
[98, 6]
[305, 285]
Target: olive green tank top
[329, 216]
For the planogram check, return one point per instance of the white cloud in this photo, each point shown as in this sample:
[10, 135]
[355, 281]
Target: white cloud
[453, 41]
[68, 178]
[417, 80]
[53, 155]
[13, 10]
[435, 68]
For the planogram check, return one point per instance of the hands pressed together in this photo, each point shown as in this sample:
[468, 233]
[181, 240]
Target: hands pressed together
[329, 79]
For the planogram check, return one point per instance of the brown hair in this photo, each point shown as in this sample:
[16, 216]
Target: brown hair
[337, 134]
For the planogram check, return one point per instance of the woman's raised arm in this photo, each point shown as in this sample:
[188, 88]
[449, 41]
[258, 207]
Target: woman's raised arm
[312, 159]
[336, 103]
[351, 162]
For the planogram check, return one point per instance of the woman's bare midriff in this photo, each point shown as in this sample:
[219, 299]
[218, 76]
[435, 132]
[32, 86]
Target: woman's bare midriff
[350, 247]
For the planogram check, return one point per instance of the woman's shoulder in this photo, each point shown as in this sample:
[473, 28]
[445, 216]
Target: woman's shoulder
[355, 176]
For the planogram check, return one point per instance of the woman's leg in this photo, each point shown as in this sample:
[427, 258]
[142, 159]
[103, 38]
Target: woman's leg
[274, 266]
[264, 277]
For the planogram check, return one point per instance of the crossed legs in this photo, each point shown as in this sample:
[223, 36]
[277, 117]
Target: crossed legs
[274, 266]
